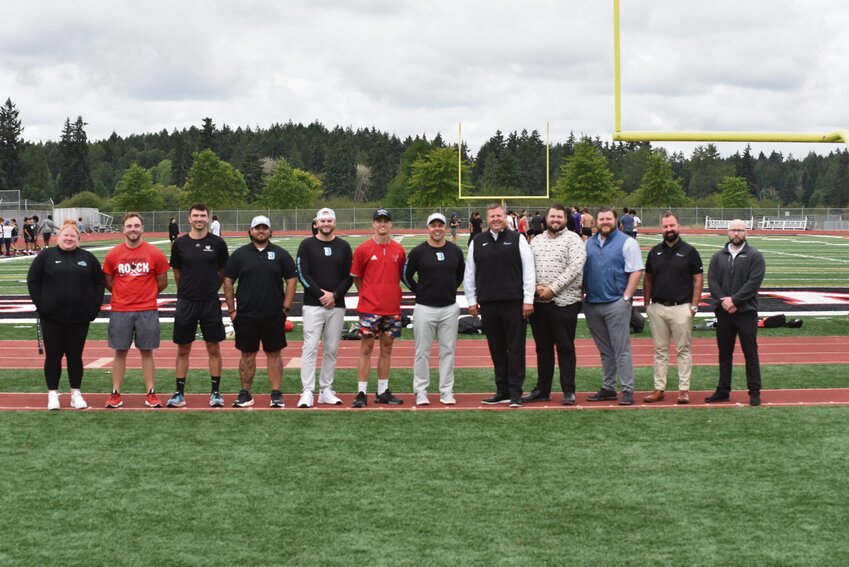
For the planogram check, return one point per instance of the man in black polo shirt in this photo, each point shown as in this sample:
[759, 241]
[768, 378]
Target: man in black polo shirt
[672, 287]
[439, 266]
[499, 283]
[198, 259]
[262, 269]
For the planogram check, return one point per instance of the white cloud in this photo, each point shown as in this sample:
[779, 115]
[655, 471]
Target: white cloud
[422, 67]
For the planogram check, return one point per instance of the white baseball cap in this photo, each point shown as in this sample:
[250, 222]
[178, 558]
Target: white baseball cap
[325, 213]
[436, 216]
[261, 219]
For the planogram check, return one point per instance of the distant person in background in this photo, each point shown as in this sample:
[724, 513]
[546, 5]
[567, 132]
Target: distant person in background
[576, 220]
[7, 236]
[66, 285]
[522, 224]
[173, 230]
[454, 224]
[215, 226]
[46, 229]
[534, 226]
[637, 221]
[80, 227]
[626, 223]
[29, 234]
[587, 223]
[475, 225]
[36, 229]
[314, 227]
[15, 251]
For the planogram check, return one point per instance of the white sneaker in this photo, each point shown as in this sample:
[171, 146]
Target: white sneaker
[447, 398]
[329, 397]
[421, 399]
[306, 399]
[53, 400]
[77, 401]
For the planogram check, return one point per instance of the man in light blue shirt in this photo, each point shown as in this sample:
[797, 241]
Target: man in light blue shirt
[612, 273]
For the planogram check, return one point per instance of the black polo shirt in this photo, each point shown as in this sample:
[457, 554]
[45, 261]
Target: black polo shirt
[672, 269]
[440, 273]
[260, 276]
[199, 262]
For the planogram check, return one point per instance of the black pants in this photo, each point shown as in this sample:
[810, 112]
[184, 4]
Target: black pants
[63, 339]
[552, 326]
[505, 330]
[728, 328]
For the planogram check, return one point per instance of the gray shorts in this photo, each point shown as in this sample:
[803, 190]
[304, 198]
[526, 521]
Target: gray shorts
[125, 325]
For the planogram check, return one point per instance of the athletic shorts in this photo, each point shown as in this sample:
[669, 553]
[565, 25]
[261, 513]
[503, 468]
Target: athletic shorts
[375, 325]
[586, 231]
[251, 332]
[189, 313]
[143, 326]
[453, 233]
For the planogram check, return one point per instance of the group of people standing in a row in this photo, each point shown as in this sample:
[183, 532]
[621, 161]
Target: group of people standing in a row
[508, 282]
[32, 229]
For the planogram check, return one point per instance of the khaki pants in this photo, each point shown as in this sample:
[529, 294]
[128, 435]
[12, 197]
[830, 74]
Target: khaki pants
[671, 324]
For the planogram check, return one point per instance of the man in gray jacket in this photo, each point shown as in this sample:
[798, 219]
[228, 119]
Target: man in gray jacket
[734, 278]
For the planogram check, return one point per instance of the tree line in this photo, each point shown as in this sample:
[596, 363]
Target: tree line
[295, 165]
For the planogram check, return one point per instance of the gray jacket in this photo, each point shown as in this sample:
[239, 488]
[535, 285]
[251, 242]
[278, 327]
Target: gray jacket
[740, 277]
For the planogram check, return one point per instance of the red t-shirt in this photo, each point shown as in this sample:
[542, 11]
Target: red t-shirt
[134, 272]
[380, 267]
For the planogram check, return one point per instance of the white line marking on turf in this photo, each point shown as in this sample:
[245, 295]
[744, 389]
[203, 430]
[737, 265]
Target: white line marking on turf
[294, 362]
[100, 362]
[823, 258]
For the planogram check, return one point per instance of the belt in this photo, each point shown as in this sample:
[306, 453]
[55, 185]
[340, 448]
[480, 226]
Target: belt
[672, 303]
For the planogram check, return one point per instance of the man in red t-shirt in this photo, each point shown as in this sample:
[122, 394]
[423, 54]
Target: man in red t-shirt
[376, 268]
[136, 272]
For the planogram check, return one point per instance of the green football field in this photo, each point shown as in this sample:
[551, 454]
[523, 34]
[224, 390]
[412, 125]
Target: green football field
[685, 486]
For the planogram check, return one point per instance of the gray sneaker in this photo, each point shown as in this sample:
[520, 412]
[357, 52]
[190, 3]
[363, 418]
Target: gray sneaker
[421, 399]
[447, 398]
[627, 398]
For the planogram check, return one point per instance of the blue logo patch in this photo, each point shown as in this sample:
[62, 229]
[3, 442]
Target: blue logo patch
[271, 255]
[82, 263]
[328, 251]
[440, 256]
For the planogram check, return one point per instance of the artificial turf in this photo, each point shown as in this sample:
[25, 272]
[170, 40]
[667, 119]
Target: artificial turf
[742, 486]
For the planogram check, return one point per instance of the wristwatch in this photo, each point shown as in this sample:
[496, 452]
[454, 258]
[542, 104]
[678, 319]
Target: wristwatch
[694, 308]
[626, 298]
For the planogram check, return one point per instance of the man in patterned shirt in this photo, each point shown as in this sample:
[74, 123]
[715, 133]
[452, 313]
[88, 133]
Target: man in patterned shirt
[559, 257]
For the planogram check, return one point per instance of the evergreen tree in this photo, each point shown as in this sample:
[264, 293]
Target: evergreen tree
[659, 187]
[252, 171]
[707, 169]
[180, 158]
[744, 168]
[837, 193]
[586, 178]
[37, 182]
[340, 167]
[11, 145]
[74, 168]
[207, 135]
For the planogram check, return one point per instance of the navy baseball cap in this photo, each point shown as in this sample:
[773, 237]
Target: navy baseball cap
[381, 214]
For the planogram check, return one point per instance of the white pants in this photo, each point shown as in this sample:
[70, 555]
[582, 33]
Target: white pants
[441, 323]
[320, 323]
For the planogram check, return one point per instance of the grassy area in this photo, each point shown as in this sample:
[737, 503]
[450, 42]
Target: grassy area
[812, 327]
[705, 487]
[466, 379]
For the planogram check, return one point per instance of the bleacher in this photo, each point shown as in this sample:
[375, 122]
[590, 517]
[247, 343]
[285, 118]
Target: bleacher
[722, 224]
[783, 223]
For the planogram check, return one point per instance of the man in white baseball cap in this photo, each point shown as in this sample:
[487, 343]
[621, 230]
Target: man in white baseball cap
[433, 271]
[324, 268]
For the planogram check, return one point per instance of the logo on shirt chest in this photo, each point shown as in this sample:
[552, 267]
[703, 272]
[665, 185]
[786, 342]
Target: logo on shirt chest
[440, 256]
[328, 251]
[272, 255]
[134, 269]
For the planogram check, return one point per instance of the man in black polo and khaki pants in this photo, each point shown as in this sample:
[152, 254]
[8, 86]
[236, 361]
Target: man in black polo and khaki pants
[672, 287]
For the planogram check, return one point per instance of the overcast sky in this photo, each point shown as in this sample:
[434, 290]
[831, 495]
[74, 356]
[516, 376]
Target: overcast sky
[423, 67]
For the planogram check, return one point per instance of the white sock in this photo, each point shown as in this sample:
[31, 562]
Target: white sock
[362, 386]
[382, 385]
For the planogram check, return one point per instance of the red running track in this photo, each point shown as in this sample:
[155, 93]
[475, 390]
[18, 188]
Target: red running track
[199, 402]
[470, 353]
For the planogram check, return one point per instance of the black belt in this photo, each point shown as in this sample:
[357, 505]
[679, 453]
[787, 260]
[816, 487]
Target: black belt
[672, 303]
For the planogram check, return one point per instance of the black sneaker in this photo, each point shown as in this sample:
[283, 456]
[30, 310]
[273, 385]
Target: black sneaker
[602, 395]
[754, 398]
[277, 399]
[361, 400]
[568, 399]
[537, 396]
[496, 399]
[516, 403]
[244, 400]
[718, 396]
[627, 398]
[387, 398]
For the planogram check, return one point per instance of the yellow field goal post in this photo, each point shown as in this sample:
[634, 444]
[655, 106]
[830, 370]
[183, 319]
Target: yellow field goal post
[835, 136]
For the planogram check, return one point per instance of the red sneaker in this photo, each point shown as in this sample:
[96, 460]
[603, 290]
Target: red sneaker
[152, 400]
[114, 401]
